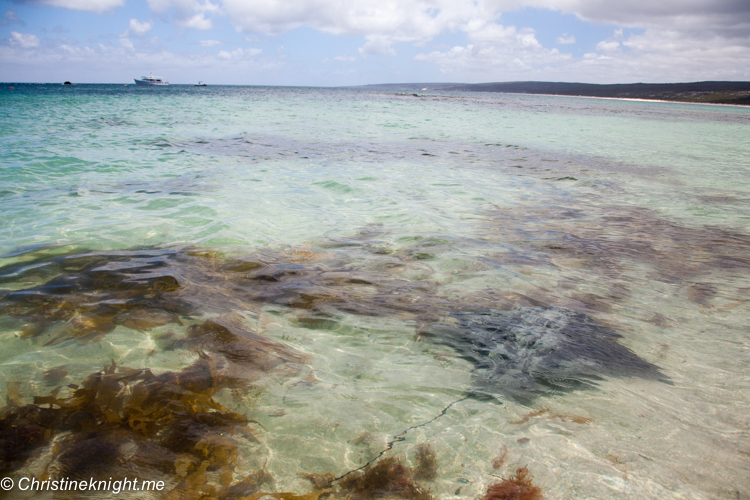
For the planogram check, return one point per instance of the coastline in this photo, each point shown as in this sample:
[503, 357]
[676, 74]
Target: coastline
[613, 98]
[735, 93]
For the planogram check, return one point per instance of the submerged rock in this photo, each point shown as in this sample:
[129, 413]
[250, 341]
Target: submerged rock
[531, 351]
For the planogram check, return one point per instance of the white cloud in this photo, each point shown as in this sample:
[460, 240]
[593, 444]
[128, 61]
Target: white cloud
[608, 45]
[135, 28]
[24, 40]
[345, 58]
[728, 18]
[496, 52]
[385, 23]
[209, 43]
[238, 54]
[188, 13]
[198, 22]
[420, 19]
[683, 40]
[86, 5]
[382, 22]
[225, 55]
[377, 45]
[653, 56]
[139, 28]
[665, 57]
[677, 40]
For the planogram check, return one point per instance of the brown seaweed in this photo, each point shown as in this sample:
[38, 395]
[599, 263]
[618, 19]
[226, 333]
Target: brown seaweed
[609, 241]
[517, 487]
[250, 485]
[228, 336]
[501, 458]
[701, 293]
[388, 477]
[530, 415]
[320, 481]
[168, 423]
[146, 319]
[85, 296]
[22, 430]
[427, 464]
[55, 375]
[547, 414]
[365, 438]
[315, 495]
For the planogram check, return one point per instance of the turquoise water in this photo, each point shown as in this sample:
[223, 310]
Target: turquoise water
[359, 229]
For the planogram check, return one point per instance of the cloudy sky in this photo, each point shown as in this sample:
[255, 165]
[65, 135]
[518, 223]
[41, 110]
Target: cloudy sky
[353, 42]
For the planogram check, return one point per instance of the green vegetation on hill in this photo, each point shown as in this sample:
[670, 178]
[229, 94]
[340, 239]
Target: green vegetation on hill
[706, 92]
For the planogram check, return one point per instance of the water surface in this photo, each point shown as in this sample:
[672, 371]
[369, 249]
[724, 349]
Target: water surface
[282, 281]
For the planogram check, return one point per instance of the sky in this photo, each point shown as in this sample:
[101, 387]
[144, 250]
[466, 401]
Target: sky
[358, 42]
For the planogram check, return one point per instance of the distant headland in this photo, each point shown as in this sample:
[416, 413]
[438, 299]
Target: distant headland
[698, 92]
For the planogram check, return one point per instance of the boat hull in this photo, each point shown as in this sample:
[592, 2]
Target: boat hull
[150, 84]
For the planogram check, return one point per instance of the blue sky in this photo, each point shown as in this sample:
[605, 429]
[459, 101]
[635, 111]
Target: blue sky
[338, 42]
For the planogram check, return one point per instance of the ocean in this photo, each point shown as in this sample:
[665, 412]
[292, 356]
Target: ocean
[248, 290]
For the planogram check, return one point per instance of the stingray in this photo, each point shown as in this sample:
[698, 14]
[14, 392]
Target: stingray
[533, 351]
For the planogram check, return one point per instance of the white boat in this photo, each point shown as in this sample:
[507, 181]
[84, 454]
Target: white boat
[151, 80]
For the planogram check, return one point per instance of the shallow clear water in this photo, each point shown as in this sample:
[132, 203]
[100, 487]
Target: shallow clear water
[377, 223]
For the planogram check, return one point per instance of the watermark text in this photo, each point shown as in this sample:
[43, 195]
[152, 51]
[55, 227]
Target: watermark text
[114, 486]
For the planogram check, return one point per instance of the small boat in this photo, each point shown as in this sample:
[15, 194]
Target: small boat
[201, 84]
[151, 80]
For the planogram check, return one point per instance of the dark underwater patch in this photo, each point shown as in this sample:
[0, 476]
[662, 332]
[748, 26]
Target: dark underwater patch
[522, 353]
[85, 296]
[534, 351]
[170, 426]
[609, 241]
